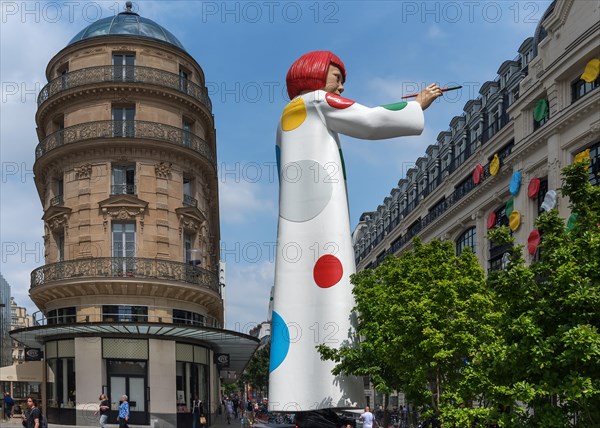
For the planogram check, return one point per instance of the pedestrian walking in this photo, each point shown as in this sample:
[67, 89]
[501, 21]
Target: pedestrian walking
[229, 408]
[198, 418]
[8, 405]
[34, 416]
[123, 412]
[367, 418]
[103, 409]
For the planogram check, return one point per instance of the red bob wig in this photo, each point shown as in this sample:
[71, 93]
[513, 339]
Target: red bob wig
[309, 72]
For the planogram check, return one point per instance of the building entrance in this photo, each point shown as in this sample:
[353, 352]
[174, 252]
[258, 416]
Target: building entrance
[128, 378]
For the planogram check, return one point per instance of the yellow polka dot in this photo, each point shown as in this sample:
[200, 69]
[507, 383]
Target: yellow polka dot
[495, 165]
[294, 114]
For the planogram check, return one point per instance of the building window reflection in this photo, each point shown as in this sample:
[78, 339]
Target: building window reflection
[124, 313]
[467, 239]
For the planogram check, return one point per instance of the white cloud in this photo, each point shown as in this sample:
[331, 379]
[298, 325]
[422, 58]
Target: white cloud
[247, 294]
[240, 201]
[435, 32]
[28, 41]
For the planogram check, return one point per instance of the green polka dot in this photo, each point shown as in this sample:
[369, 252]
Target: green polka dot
[395, 106]
[343, 164]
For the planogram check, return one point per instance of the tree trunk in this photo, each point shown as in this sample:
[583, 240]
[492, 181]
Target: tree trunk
[386, 414]
[437, 385]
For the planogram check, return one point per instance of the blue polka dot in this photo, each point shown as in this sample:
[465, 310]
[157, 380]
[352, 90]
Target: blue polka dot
[280, 341]
[515, 183]
[278, 158]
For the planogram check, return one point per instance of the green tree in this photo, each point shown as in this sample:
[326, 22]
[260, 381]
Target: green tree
[257, 370]
[424, 318]
[230, 389]
[548, 366]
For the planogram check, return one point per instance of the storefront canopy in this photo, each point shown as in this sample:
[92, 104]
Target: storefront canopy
[239, 346]
[31, 371]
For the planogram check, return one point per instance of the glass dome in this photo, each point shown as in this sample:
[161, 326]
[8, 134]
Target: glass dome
[127, 23]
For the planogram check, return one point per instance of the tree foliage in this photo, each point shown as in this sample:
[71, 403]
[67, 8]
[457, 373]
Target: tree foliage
[424, 319]
[520, 348]
[550, 357]
[257, 370]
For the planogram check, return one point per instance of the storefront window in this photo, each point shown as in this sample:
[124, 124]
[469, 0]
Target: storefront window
[60, 388]
[191, 379]
[192, 383]
[26, 389]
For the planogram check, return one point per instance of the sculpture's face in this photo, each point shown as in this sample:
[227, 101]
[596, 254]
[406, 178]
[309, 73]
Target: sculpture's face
[334, 83]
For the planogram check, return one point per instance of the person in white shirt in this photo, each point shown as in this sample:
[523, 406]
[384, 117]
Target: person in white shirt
[367, 418]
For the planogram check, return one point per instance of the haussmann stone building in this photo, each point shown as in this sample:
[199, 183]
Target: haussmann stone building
[500, 161]
[129, 296]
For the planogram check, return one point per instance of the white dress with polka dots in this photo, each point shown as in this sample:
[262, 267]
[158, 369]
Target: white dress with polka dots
[313, 297]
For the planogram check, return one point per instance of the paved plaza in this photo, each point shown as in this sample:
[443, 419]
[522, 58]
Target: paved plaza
[218, 423]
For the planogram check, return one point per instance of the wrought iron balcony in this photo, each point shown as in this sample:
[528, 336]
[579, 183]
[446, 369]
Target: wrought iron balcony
[123, 268]
[139, 129]
[494, 127]
[56, 201]
[122, 189]
[125, 74]
[188, 201]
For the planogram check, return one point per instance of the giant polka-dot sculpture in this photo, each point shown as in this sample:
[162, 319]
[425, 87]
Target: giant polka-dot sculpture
[306, 189]
[312, 298]
[328, 271]
[280, 341]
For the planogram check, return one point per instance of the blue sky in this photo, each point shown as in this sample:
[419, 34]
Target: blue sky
[390, 48]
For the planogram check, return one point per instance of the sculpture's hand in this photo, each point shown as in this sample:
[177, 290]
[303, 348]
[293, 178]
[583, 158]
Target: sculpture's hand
[428, 95]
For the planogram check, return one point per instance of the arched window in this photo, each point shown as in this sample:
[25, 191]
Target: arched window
[467, 239]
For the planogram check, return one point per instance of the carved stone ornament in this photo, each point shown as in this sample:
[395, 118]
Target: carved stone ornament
[57, 218]
[123, 207]
[163, 170]
[553, 164]
[190, 219]
[57, 223]
[123, 213]
[188, 223]
[83, 171]
[593, 133]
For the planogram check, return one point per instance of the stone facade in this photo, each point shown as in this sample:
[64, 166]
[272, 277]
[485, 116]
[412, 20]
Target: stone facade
[438, 198]
[126, 174]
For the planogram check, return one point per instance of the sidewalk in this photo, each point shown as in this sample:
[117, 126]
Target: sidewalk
[219, 422]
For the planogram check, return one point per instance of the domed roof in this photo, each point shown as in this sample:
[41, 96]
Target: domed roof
[127, 23]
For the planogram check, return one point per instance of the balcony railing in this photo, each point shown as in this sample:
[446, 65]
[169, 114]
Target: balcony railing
[56, 201]
[88, 314]
[125, 267]
[108, 129]
[494, 127]
[122, 189]
[127, 74]
[188, 201]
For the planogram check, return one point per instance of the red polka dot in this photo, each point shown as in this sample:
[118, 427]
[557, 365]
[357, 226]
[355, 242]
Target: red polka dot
[338, 102]
[491, 220]
[477, 173]
[534, 188]
[533, 241]
[328, 271]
